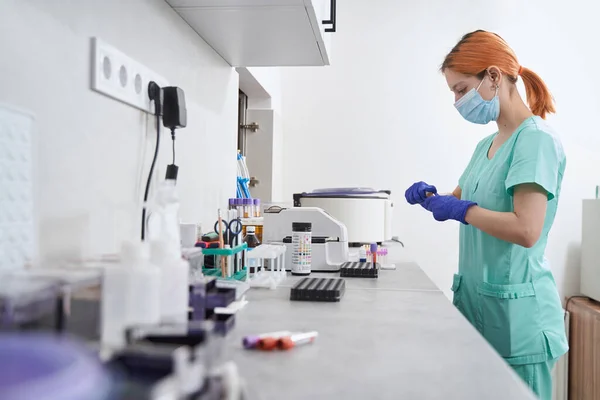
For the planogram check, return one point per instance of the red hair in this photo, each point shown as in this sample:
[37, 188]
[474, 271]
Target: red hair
[479, 50]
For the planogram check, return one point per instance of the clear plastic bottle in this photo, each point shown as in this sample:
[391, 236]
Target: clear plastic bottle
[301, 247]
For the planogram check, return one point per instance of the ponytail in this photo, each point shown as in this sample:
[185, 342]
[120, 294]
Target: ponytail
[539, 99]
[478, 50]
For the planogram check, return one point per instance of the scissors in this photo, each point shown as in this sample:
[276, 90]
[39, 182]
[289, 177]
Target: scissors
[231, 231]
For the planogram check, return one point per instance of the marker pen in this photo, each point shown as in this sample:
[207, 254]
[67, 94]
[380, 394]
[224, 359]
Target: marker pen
[252, 341]
[286, 343]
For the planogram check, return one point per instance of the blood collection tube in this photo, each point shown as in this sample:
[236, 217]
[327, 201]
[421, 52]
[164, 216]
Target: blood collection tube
[252, 341]
[287, 342]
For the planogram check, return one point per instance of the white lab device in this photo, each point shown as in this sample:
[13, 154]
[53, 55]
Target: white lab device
[366, 212]
[329, 236]
[590, 249]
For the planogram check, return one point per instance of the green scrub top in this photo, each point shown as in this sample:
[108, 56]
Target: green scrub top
[505, 290]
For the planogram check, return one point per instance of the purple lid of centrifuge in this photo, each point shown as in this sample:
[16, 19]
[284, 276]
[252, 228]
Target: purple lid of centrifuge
[48, 366]
[232, 201]
[256, 202]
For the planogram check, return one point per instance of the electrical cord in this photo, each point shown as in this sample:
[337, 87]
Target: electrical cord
[154, 94]
[173, 137]
[172, 169]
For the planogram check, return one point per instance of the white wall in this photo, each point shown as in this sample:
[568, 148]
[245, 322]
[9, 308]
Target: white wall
[90, 149]
[382, 115]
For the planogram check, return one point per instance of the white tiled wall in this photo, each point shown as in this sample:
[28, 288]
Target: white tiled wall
[17, 235]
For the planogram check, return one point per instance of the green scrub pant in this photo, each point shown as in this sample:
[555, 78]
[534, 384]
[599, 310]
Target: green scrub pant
[538, 377]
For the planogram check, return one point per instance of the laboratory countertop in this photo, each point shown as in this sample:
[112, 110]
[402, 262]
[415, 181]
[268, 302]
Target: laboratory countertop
[395, 337]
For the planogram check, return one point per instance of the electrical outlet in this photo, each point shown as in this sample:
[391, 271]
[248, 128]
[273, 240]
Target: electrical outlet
[120, 77]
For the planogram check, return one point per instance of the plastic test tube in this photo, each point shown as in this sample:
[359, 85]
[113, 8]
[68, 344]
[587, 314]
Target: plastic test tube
[287, 342]
[257, 207]
[374, 253]
[240, 207]
[244, 208]
[228, 264]
[251, 341]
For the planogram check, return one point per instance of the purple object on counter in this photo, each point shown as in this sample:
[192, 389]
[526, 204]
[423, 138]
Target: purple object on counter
[197, 301]
[25, 299]
[219, 297]
[250, 342]
[44, 366]
[224, 323]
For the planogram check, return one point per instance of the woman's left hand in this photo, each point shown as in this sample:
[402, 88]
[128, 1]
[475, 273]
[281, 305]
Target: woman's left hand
[448, 207]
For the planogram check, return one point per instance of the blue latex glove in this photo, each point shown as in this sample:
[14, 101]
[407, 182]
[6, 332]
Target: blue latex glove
[416, 194]
[448, 207]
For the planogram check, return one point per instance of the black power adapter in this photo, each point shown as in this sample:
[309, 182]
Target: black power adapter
[174, 116]
[174, 113]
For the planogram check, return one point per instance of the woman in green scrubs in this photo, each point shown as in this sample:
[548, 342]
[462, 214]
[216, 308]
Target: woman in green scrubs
[506, 200]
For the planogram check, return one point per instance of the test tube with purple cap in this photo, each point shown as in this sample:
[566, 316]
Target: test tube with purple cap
[374, 254]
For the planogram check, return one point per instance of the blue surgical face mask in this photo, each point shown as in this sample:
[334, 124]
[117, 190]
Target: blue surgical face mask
[475, 109]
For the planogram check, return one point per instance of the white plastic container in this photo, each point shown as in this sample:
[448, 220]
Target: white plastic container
[130, 294]
[301, 248]
[144, 287]
[174, 289]
[114, 313]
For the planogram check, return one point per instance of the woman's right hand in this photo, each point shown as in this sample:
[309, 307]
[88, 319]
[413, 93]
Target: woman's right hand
[417, 193]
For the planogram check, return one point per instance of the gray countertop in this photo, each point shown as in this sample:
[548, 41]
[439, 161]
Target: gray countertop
[408, 276]
[395, 337]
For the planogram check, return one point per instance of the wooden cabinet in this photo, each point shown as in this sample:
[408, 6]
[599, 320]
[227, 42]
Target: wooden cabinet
[584, 355]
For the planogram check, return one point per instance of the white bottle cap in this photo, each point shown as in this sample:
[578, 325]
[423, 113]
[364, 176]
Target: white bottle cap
[250, 229]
